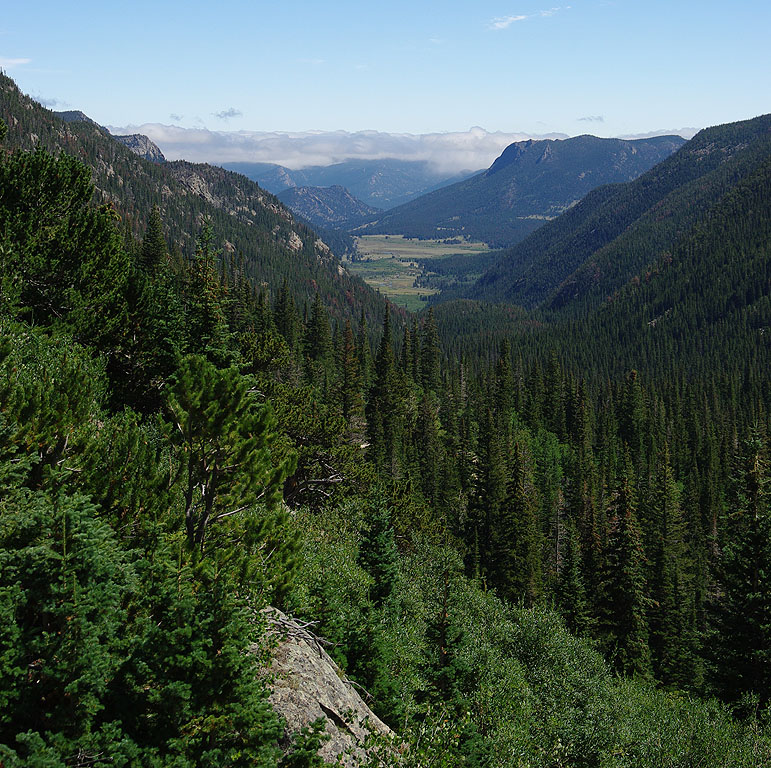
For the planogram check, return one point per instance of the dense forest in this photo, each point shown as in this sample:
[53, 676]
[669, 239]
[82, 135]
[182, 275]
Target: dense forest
[532, 540]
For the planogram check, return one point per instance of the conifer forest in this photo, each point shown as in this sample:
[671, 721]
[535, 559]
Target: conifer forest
[531, 523]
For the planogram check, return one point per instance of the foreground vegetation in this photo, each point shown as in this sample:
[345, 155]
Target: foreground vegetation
[520, 566]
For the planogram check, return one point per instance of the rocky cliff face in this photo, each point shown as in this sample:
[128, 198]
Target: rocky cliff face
[308, 685]
[140, 145]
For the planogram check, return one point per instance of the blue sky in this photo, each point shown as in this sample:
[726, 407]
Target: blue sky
[607, 67]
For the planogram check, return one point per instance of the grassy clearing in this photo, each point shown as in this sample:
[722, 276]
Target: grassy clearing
[400, 247]
[388, 263]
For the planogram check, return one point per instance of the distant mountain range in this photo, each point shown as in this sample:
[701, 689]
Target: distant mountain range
[381, 184]
[325, 207]
[530, 183]
[631, 231]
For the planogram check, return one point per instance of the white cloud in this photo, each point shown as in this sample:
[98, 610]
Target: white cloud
[447, 152]
[686, 133]
[592, 119]
[51, 103]
[8, 63]
[502, 22]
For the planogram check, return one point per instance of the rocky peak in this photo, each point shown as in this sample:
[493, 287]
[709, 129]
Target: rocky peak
[141, 145]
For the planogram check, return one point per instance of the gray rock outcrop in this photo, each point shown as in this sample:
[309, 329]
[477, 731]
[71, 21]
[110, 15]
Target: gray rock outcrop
[307, 684]
[141, 145]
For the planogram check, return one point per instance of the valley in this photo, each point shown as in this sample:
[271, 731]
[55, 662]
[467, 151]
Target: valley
[401, 268]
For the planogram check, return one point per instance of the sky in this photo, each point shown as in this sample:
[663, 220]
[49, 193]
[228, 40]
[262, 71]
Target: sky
[229, 72]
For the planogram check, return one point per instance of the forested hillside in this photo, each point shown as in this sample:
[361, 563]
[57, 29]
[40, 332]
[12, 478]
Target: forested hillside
[531, 539]
[530, 183]
[619, 233]
[250, 225]
[331, 206]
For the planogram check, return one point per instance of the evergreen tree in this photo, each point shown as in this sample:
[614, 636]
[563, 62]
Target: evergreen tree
[385, 422]
[430, 354]
[741, 616]
[623, 625]
[516, 567]
[207, 325]
[571, 593]
[154, 251]
[377, 550]
[319, 349]
[222, 447]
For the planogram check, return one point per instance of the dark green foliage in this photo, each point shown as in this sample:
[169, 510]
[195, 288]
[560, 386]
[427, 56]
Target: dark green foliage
[222, 442]
[516, 564]
[623, 625]
[64, 580]
[571, 593]
[377, 550]
[154, 251]
[742, 613]
[62, 259]
[385, 409]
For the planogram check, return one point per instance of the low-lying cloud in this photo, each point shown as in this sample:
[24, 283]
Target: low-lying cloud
[7, 62]
[447, 152]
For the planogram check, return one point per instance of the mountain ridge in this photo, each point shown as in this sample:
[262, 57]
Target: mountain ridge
[325, 207]
[531, 182]
[381, 184]
[615, 231]
[247, 220]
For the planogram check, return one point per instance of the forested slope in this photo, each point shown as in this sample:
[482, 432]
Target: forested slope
[617, 232]
[527, 547]
[530, 183]
[251, 225]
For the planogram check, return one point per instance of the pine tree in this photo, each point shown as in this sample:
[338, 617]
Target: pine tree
[516, 567]
[385, 422]
[319, 349]
[571, 593]
[207, 325]
[154, 251]
[430, 354]
[222, 447]
[350, 385]
[741, 616]
[377, 550]
[623, 625]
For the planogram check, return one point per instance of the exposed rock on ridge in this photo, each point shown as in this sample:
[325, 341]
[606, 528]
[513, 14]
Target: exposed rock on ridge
[140, 145]
[308, 685]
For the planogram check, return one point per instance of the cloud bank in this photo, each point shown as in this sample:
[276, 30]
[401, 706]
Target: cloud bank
[447, 152]
[9, 63]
